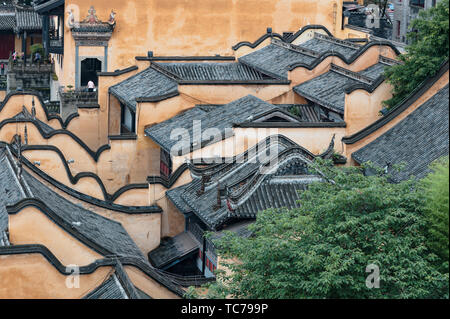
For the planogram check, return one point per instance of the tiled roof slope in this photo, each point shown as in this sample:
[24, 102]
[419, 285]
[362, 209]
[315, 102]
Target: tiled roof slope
[10, 189]
[322, 45]
[213, 71]
[28, 20]
[171, 249]
[374, 71]
[274, 193]
[256, 191]
[7, 21]
[26, 116]
[328, 89]
[105, 233]
[275, 60]
[18, 19]
[220, 117]
[418, 140]
[146, 84]
[110, 289]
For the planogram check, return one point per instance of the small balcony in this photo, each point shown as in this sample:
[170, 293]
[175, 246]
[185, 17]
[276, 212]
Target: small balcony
[56, 45]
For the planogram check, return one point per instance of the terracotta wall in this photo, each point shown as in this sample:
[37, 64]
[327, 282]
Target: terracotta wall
[175, 27]
[31, 276]
[363, 108]
[351, 148]
[31, 226]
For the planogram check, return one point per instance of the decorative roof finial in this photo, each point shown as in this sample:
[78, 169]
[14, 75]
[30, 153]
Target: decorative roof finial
[112, 18]
[92, 17]
[26, 134]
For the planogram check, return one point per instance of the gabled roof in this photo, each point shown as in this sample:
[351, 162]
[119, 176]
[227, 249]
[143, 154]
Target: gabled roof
[148, 84]
[212, 71]
[28, 19]
[328, 89]
[322, 43]
[211, 117]
[249, 189]
[275, 59]
[417, 140]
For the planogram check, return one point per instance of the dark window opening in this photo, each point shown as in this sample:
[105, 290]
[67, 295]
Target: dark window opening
[165, 164]
[127, 120]
[89, 69]
[6, 45]
[276, 119]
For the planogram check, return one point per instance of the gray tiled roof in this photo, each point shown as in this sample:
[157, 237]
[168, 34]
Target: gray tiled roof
[374, 71]
[322, 46]
[307, 113]
[274, 193]
[146, 84]
[417, 140]
[328, 89]
[10, 190]
[211, 116]
[213, 71]
[28, 20]
[7, 21]
[106, 233]
[25, 115]
[172, 249]
[174, 195]
[276, 190]
[109, 289]
[275, 60]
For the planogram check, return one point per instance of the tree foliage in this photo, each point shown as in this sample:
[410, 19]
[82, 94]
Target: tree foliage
[429, 48]
[436, 187]
[322, 249]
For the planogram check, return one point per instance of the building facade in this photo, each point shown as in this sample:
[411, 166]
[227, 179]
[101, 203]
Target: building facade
[405, 11]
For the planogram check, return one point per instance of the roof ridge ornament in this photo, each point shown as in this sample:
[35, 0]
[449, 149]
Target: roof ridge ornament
[92, 17]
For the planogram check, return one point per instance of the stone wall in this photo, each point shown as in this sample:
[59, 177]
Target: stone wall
[30, 77]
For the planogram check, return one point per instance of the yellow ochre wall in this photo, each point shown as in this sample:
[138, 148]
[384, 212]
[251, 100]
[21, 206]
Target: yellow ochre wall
[208, 27]
[31, 276]
[351, 148]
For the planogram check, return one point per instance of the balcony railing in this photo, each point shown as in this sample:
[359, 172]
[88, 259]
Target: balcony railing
[19, 65]
[56, 45]
[198, 234]
[81, 95]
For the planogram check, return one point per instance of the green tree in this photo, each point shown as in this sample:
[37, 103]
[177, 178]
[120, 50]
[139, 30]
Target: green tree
[436, 187]
[429, 48]
[322, 249]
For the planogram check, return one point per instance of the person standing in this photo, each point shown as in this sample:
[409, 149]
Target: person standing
[37, 57]
[91, 86]
[2, 68]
